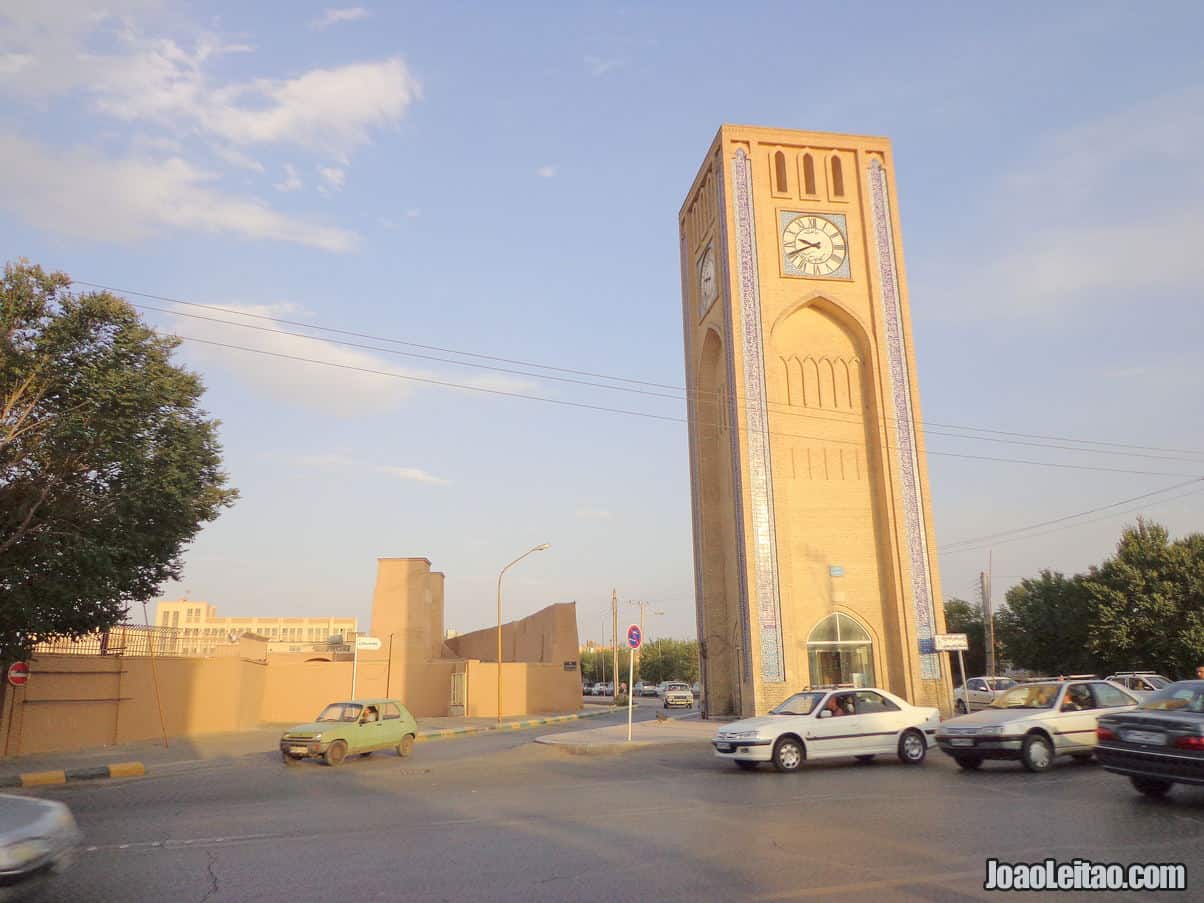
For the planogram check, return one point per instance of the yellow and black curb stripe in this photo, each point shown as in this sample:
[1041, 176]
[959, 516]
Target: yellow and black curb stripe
[63, 776]
[449, 732]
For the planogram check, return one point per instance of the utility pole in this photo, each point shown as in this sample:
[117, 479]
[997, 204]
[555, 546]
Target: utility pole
[988, 621]
[614, 632]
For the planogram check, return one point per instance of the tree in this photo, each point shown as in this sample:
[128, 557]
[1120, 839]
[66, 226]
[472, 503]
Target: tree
[108, 467]
[966, 617]
[1047, 625]
[1148, 601]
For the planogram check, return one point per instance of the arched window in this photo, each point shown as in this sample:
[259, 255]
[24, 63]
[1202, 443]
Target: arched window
[808, 174]
[840, 651]
[779, 172]
[837, 178]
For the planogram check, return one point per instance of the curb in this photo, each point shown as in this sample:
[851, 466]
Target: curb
[63, 776]
[448, 733]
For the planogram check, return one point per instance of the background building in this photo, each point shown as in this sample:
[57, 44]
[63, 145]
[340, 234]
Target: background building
[201, 630]
[813, 543]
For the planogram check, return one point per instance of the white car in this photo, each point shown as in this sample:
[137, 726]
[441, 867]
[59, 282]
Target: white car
[831, 724]
[38, 840]
[980, 692]
[678, 694]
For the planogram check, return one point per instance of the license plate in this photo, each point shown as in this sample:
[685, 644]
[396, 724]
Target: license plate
[961, 741]
[298, 750]
[1149, 737]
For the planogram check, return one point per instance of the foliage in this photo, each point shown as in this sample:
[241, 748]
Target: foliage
[966, 617]
[659, 660]
[1047, 624]
[1148, 602]
[108, 467]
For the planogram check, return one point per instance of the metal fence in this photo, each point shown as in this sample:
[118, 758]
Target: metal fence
[124, 639]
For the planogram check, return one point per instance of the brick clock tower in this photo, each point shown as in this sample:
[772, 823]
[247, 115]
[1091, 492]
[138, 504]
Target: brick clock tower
[814, 553]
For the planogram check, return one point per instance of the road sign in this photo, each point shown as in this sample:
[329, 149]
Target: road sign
[18, 674]
[367, 642]
[634, 636]
[951, 642]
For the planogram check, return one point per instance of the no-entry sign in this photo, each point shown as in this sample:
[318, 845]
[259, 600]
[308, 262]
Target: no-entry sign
[634, 636]
[18, 674]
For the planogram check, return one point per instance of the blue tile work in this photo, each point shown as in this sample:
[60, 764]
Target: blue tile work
[756, 422]
[904, 414]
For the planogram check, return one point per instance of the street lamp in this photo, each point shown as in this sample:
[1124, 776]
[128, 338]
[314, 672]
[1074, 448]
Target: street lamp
[538, 548]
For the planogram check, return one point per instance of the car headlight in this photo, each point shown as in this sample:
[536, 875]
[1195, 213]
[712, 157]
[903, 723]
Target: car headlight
[990, 732]
[15, 855]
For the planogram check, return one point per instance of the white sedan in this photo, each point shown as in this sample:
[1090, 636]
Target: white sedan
[830, 724]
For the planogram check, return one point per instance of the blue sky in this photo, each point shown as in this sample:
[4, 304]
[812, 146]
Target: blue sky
[504, 180]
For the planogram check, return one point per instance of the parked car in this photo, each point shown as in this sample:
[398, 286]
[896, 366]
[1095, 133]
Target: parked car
[826, 724]
[38, 840]
[641, 688]
[649, 689]
[1158, 744]
[678, 694]
[980, 692]
[696, 690]
[1140, 683]
[1034, 722]
[347, 728]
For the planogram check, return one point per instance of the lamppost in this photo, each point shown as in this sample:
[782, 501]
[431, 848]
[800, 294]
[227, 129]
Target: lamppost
[538, 548]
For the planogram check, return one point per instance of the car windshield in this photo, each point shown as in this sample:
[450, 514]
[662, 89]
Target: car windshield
[1180, 697]
[799, 704]
[1001, 683]
[341, 711]
[1159, 682]
[1032, 696]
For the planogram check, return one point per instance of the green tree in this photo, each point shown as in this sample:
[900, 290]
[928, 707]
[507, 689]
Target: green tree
[1047, 625]
[1148, 601]
[966, 617]
[108, 467]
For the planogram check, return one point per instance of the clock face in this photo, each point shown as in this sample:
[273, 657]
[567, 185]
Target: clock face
[708, 288]
[814, 245]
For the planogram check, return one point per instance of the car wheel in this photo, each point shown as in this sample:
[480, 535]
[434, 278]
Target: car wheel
[970, 763]
[1152, 787]
[788, 754]
[666, 705]
[1082, 758]
[961, 707]
[746, 765]
[406, 746]
[365, 755]
[289, 760]
[912, 747]
[864, 760]
[336, 753]
[1037, 754]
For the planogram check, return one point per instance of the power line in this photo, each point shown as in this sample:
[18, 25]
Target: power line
[829, 416]
[1095, 520]
[952, 547]
[646, 414]
[924, 425]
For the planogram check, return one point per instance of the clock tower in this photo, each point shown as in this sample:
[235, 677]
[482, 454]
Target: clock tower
[814, 554]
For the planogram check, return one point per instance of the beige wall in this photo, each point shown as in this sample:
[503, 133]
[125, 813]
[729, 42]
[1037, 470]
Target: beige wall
[527, 688]
[549, 635]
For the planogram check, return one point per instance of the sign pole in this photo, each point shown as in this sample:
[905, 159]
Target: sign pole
[961, 661]
[630, 694]
[355, 663]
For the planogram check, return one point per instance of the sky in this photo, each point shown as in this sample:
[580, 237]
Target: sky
[503, 180]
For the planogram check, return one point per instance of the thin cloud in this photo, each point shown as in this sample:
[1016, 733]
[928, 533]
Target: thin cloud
[415, 474]
[291, 181]
[336, 16]
[333, 177]
[597, 66]
[593, 514]
[129, 199]
[546, 172]
[342, 462]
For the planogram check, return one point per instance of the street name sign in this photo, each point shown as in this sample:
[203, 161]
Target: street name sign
[951, 642]
[367, 642]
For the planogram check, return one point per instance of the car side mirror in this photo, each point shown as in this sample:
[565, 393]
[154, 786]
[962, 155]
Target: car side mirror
[825, 713]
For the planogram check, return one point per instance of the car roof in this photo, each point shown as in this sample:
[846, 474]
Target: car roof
[372, 701]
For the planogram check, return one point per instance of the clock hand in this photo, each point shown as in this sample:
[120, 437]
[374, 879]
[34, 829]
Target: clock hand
[806, 244]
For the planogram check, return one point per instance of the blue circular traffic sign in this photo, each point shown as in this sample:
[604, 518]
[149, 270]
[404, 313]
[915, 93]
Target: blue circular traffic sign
[634, 636]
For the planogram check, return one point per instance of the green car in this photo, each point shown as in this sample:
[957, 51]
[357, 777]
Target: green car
[344, 728]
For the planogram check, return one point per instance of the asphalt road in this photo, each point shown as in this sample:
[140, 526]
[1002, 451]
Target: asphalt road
[501, 818]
